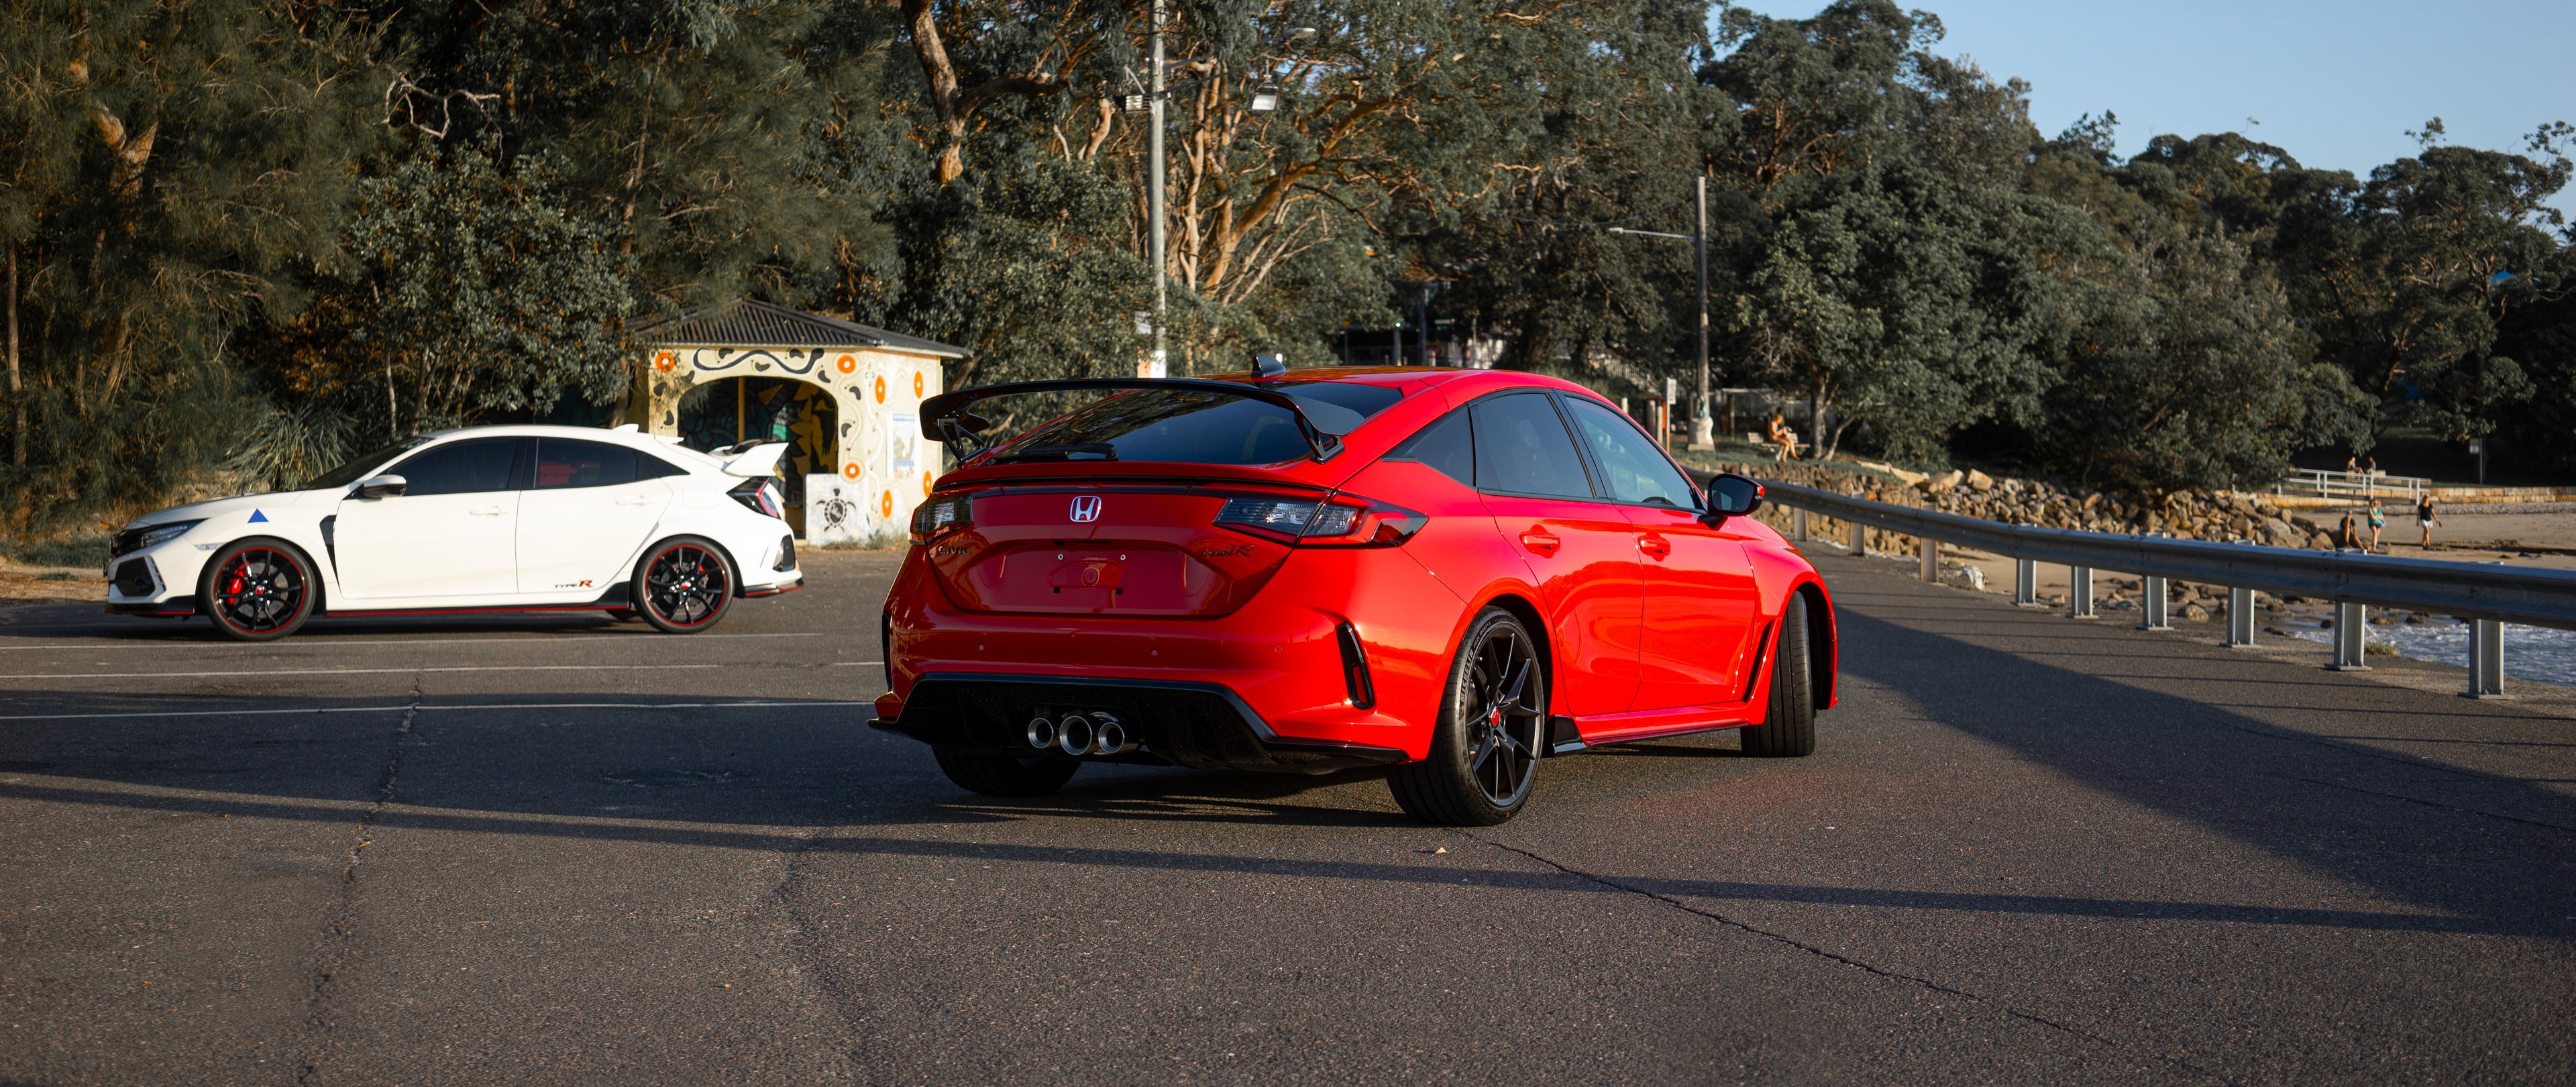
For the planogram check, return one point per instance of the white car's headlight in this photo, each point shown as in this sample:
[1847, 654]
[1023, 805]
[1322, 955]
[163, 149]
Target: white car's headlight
[161, 534]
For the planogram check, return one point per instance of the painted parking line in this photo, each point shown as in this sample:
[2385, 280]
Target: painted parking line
[429, 709]
[309, 639]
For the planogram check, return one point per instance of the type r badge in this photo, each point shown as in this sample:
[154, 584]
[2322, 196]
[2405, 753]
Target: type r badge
[1086, 508]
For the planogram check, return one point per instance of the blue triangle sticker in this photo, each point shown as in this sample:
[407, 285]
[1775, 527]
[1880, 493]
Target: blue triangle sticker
[257, 517]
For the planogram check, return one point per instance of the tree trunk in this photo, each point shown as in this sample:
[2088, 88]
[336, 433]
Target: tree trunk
[17, 400]
[1816, 420]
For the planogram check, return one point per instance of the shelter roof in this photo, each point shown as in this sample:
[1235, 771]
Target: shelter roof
[750, 322]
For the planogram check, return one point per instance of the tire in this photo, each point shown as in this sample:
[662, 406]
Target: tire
[1788, 729]
[684, 585]
[1485, 749]
[1004, 775]
[258, 590]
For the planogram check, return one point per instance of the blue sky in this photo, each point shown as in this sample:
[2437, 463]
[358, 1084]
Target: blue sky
[2337, 85]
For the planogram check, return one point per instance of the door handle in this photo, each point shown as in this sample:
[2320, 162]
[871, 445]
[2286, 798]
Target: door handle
[1655, 546]
[635, 500]
[1541, 541]
[487, 511]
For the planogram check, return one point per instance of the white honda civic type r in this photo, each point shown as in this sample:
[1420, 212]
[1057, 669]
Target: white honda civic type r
[499, 518]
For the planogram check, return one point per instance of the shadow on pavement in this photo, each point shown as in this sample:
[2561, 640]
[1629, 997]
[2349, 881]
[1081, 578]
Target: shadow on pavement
[2489, 849]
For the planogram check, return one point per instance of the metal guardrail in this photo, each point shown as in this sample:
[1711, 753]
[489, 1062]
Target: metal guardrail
[2488, 596]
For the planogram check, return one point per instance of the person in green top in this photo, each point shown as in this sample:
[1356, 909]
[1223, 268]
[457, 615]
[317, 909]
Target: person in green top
[2378, 523]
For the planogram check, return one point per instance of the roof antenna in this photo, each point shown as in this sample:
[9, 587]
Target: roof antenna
[1268, 366]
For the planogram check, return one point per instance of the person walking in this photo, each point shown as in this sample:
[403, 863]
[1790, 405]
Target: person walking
[2424, 518]
[2378, 524]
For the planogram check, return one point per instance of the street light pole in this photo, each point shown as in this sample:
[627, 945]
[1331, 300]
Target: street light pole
[1156, 365]
[1703, 427]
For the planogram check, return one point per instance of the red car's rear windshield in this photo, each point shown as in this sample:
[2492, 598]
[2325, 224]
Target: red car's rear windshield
[1190, 427]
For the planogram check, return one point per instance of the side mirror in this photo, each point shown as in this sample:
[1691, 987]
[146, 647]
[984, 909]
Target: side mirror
[1731, 495]
[381, 486]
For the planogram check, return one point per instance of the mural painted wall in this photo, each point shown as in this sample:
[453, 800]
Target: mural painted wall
[882, 467]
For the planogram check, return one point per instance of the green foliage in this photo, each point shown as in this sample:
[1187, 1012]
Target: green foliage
[486, 291]
[250, 233]
[280, 447]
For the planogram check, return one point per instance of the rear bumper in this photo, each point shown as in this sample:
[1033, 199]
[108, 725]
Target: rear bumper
[1179, 723]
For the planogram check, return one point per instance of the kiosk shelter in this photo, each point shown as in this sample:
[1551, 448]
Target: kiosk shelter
[846, 396]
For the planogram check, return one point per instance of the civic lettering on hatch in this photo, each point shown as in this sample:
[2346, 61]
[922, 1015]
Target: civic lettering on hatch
[1222, 552]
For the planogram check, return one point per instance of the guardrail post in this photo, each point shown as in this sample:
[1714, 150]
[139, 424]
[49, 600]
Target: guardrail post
[1859, 540]
[2026, 582]
[2486, 659]
[2351, 633]
[2079, 592]
[2240, 618]
[2151, 605]
[1931, 549]
[1801, 519]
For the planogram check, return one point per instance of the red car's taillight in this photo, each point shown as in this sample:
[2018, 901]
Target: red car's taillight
[941, 516]
[761, 496]
[1339, 521]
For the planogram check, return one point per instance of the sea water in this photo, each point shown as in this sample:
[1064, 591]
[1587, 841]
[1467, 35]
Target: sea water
[2539, 654]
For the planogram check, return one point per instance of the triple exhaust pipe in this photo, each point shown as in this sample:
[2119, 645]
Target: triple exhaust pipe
[1079, 734]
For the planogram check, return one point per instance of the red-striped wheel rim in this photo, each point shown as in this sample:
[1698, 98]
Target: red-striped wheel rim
[685, 585]
[258, 590]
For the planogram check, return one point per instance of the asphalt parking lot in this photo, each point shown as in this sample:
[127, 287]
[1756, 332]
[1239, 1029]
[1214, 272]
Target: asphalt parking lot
[552, 850]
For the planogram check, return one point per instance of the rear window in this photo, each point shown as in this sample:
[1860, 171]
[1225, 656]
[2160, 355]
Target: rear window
[1191, 427]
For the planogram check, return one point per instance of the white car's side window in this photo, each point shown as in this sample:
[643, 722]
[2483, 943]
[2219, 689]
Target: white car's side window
[460, 468]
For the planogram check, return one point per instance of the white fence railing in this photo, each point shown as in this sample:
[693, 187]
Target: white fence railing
[2362, 485]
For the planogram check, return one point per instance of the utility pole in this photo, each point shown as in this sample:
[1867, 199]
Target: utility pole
[1703, 435]
[1703, 427]
[1158, 364]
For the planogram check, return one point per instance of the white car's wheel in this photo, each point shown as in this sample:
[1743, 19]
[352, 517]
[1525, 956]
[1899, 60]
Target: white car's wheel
[683, 586]
[257, 590]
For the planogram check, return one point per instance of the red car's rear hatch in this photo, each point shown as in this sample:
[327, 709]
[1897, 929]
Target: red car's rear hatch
[1061, 545]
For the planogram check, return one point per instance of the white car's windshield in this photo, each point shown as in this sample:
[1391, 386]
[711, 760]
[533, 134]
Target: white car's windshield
[357, 469]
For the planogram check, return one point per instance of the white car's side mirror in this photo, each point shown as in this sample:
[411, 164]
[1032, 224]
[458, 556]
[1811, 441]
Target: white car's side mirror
[381, 486]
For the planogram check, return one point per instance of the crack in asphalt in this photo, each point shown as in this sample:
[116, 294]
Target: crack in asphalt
[344, 919]
[805, 946]
[1846, 960]
[2432, 803]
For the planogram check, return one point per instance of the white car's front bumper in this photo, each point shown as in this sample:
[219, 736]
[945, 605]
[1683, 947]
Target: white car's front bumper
[157, 580]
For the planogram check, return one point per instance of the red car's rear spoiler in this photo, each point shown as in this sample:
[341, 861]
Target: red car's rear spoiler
[946, 417]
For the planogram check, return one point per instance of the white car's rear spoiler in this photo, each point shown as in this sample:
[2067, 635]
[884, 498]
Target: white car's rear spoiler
[758, 460]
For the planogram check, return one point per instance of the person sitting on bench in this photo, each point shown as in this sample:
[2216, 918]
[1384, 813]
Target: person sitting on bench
[1783, 437]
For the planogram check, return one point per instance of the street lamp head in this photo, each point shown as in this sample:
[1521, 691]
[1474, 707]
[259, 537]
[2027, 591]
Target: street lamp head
[1299, 34]
[1265, 98]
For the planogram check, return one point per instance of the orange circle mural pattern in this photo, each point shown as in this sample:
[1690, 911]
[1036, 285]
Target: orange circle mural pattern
[849, 471]
[665, 360]
[886, 505]
[849, 364]
[880, 388]
[925, 484]
[916, 383]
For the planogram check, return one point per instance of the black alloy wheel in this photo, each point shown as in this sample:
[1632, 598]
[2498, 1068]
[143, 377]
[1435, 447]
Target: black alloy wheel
[1484, 754]
[684, 585]
[257, 590]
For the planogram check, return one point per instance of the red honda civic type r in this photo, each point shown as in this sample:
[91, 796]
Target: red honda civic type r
[1449, 573]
